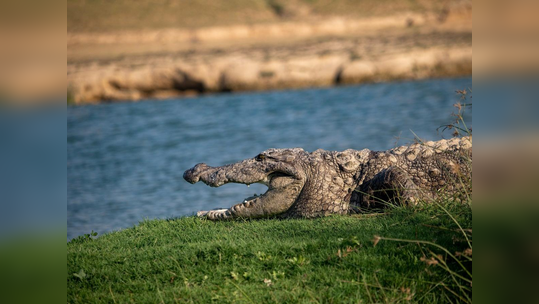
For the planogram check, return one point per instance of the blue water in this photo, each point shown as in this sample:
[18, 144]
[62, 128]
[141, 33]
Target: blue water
[125, 161]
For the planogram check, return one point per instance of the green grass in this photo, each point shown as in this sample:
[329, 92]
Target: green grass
[326, 260]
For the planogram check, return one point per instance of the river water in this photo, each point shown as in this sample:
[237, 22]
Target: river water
[125, 161]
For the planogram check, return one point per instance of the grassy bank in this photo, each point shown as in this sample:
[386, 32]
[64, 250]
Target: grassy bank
[338, 259]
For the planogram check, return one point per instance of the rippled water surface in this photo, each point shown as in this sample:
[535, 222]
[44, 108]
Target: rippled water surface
[125, 161]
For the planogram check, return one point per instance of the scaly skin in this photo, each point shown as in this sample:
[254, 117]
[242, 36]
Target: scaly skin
[303, 184]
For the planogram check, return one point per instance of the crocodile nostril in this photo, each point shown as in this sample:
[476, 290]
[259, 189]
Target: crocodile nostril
[190, 176]
[193, 175]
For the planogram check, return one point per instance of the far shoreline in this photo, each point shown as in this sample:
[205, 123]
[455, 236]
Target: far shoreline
[278, 90]
[108, 67]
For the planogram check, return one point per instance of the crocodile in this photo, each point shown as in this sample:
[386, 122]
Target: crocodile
[306, 185]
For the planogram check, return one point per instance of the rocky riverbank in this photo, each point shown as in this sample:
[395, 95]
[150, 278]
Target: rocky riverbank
[170, 63]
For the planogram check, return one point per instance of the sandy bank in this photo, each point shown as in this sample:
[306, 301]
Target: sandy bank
[168, 63]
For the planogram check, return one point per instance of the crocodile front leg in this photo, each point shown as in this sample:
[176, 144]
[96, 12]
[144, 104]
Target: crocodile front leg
[391, 186]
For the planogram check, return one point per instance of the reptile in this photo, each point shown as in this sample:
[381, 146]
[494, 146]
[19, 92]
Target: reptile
[305, 184]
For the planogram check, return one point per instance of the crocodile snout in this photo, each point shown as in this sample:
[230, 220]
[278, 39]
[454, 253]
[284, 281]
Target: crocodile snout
[193, 175]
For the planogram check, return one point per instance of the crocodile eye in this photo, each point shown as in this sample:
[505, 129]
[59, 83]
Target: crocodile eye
[260, 157]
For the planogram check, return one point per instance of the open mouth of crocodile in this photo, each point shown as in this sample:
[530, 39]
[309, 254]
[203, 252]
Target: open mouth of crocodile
[273, 181]
[279, 186]
[284, 184]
